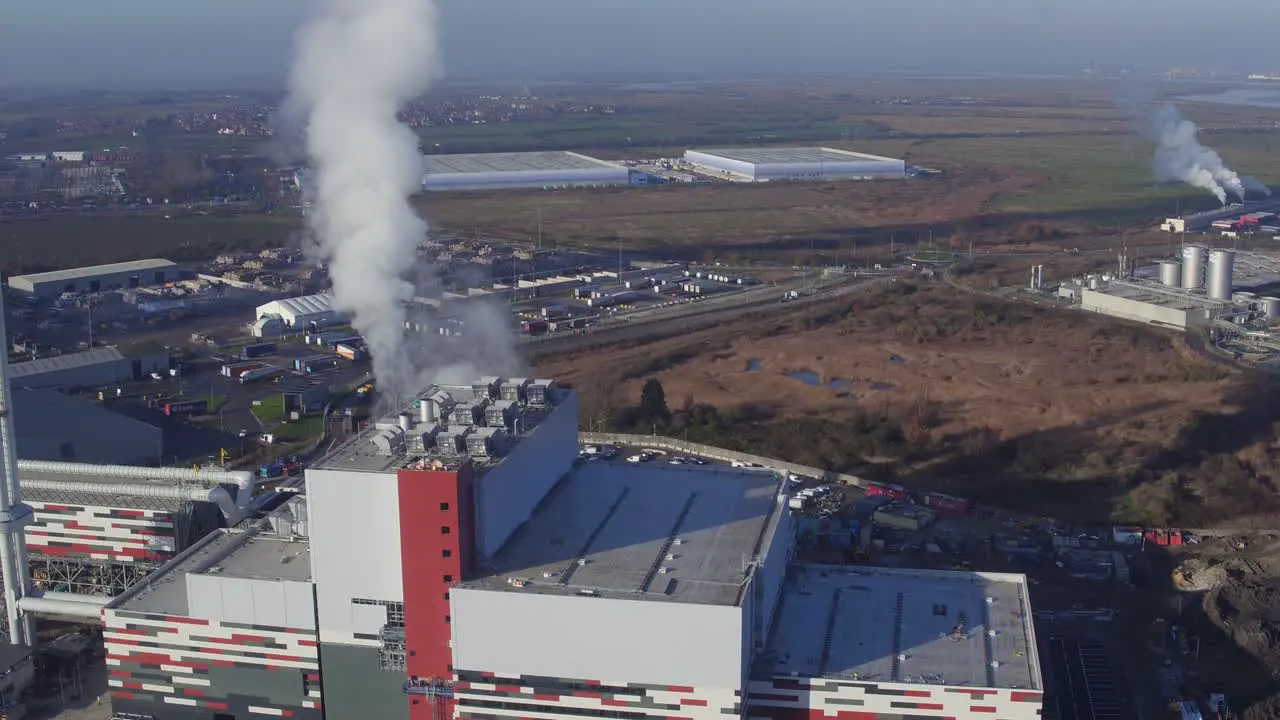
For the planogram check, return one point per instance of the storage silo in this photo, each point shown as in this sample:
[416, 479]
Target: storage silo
[1193, 266]
[1270, 306]
[1221, 266]
[1171, 273]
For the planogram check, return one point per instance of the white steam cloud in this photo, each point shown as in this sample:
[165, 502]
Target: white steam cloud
[1180, 156]
[356, 65]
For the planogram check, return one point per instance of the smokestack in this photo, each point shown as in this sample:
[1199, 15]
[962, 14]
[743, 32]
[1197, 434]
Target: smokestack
[1180, 156]
[355, 66]
[426, 411]
[14, 514]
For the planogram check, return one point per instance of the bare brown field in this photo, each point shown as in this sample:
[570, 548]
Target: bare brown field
[1043, 409]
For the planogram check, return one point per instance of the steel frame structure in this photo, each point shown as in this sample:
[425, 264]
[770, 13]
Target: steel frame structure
[87, 577]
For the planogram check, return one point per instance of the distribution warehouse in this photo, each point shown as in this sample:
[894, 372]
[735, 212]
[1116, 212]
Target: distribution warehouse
[761, 164]
[457, 560]
[97, 278]
[487, 171]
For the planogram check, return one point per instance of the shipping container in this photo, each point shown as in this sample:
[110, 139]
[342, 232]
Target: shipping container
[235, 370]
[187, 407]
[947, 503]
[319, 364]
[897, 492]
[349, 352]
[555, 312]
[259, 350]
[535, 327]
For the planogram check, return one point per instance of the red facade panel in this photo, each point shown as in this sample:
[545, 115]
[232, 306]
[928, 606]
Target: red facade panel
[433, 559]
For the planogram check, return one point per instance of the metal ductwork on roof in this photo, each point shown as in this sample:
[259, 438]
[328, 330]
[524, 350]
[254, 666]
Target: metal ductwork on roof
[210, 483]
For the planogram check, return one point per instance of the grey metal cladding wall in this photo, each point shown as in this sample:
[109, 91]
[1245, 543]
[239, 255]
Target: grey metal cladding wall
[272, 603]
[774, 569]
[508, 493]
[355, 688]
[274, 687]
[663, 643]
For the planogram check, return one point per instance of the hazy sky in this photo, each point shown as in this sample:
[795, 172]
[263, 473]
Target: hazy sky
[181, 43]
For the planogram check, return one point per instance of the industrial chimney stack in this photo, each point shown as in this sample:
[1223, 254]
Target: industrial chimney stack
[14, 515]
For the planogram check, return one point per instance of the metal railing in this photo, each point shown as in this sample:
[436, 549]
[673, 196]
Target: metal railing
[661, 442]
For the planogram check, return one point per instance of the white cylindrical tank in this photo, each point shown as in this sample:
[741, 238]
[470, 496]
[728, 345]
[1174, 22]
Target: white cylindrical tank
[1093, 282]
[1270, 306]
[406, 422]
[1171, 273]
[1193, 259]
[1221, 267]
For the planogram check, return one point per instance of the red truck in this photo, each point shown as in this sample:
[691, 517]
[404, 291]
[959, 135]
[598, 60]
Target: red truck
[948, 503]
[897, 492]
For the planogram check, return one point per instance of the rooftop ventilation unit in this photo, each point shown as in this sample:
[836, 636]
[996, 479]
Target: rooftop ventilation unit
[389, 441]
[488, 387]
[424, 439]
[513, 390]
[539, 392]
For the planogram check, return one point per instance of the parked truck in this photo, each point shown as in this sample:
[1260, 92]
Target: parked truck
[187, 407]
[535, 327]
[262, 373]
[315, 363]
[235, 370]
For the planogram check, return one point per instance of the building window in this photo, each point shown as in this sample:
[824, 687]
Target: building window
[446, 596]
[448, 578]
[444, 530]
[446, 553]
[444, 506]
[448, 618]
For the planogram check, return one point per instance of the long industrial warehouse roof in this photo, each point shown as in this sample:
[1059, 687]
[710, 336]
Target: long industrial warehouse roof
[643, 532]
[306, 304]
[790, 155]
[135, 266]
[513, 162]
[87, 358]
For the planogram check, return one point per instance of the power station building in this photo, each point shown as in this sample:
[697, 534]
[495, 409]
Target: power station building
[88, 369]
[97, 278]
[457, 560]
[763, 164]
[491, 171]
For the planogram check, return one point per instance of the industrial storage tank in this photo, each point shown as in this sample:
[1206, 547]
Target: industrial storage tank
[1193, 257]
[1221, 267]
[1270, 306]
[1171, 273]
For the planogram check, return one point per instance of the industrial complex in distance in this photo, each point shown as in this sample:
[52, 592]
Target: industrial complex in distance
[562, 169]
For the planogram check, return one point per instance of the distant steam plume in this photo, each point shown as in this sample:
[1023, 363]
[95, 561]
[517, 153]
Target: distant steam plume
[355, 66]
[1180, 156]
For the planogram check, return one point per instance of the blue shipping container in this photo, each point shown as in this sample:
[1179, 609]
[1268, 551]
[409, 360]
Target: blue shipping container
[259, 350]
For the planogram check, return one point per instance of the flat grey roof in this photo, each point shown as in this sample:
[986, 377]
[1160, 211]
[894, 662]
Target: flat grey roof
[95, 270]
[909, 626]
[783, 155]
[96, 356]
[623, 520]
[513, 162]
[256, 554]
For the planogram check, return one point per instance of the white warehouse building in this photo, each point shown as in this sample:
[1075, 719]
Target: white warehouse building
[488, 171]
[793, 163]
[299, 312]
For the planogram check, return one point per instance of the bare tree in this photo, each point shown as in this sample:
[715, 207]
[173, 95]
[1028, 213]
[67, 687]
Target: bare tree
[596, 403]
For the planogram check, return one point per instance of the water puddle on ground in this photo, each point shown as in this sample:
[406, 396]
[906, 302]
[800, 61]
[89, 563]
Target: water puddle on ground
[811, 378]
[897, 360]
[755, 365]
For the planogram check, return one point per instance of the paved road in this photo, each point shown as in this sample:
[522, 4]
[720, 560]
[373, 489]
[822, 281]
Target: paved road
[706, 316]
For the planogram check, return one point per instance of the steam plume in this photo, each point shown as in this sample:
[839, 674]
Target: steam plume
[1180, 156]
[356, 64]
